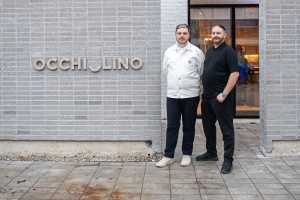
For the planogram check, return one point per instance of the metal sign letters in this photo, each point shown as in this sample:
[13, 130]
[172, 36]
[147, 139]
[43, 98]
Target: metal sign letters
[81, 64]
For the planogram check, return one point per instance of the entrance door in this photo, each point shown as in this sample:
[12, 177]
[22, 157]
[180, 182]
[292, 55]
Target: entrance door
[241, 22]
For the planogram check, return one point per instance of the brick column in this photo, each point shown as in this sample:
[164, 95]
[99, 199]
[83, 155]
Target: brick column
[280, 75]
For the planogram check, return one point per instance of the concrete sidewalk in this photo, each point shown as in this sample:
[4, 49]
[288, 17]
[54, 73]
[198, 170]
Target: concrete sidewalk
[253, 177]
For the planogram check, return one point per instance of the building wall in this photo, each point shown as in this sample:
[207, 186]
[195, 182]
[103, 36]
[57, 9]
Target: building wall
[124, 105]
[279, 72]
[79, 104]
[172, 14]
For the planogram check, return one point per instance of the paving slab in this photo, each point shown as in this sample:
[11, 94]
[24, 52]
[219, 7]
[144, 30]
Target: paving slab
[254, 177]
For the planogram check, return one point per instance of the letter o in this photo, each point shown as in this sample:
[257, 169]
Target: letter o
[136, 63]
[38, 64]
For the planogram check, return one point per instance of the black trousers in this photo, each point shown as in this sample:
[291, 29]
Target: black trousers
[187, 108]
[212, 110]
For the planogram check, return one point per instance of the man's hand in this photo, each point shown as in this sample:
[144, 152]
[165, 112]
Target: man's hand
[233, 77]
[221, 98]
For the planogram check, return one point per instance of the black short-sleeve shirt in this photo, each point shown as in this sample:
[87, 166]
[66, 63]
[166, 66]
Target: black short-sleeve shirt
[219, 63]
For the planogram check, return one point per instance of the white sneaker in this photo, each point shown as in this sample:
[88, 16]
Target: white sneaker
[186, 161]
[165, 161]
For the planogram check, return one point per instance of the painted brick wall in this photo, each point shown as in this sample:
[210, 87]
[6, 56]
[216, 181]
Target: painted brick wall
[280, 71]
[172, 13]
[80, 105]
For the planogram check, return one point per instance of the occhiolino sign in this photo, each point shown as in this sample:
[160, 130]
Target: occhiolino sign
[81, 64]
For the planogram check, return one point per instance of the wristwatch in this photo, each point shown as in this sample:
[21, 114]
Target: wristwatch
[223, 94]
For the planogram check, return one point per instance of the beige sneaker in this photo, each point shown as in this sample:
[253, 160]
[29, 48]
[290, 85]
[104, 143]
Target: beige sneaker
[186, 161]
[165, 161]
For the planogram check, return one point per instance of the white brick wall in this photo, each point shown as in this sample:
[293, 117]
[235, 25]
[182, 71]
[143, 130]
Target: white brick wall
[124, 105]
[279, 71]
[172, 13]
[108, 105]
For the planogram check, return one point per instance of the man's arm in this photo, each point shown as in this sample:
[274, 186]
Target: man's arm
[201, 58]
[233, 78]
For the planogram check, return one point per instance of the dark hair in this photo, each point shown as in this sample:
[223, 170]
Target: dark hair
[221, 26]
[183, 26]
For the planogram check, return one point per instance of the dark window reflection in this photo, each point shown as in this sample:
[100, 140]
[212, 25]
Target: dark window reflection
[246, 40]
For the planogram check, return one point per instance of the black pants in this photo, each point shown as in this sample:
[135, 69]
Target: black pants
[187, 108]
[212, 110]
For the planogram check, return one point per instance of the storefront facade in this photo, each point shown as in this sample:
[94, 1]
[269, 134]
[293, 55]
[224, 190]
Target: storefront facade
[80, 71]
[89, 72]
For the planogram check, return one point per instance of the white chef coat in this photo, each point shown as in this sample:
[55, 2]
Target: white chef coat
[183, 67]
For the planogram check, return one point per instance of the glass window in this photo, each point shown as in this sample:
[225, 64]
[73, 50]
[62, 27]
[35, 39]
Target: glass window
[246, 25]
[242, 23]
[202, 20]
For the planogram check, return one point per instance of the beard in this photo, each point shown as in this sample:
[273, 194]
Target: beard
[218, 40]
[182, 41]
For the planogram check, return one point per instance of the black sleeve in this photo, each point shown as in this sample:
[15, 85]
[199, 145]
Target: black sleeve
[231, 58]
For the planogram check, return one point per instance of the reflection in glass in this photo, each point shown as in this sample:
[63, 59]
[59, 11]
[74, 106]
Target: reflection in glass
[202, 20]
[246, 40]
[247, 50]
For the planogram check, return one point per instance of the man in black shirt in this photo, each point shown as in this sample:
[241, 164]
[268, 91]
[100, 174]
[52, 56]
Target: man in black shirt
[219, 77]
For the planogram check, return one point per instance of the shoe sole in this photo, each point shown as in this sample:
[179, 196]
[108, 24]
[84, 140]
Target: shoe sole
[185, 165]
[226, 172]
[211, 159]
[170, 163]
